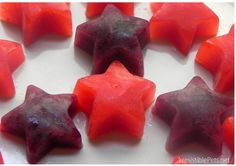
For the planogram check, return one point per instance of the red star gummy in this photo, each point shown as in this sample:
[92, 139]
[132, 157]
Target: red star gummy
[217, 56]
[95, 9]
[115, 101]
[38, 19]
[179, 160]
[182, 23]
[114, 36]
[44, 121]
[1, 159]
[194, 114]
[11, 57]
[228, 132]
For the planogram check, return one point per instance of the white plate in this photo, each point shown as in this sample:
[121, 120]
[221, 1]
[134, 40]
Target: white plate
[54, 65]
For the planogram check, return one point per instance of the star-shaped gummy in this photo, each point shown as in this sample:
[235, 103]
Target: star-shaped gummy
[114, 36]
[44, 121]
[182, 23]
[11, 57]
[217, 56]
[38, 19]
[194, 114]
[115, 101]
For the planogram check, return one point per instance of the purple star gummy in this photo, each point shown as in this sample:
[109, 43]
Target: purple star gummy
[44, 121]
[194, 114]
[114, 36]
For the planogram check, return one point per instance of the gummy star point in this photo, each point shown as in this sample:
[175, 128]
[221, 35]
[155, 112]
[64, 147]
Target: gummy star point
[194, 114]
[114, 36]
[217, 56]
[182, 23]
[44, 121]
[95, 9]
[11, 58]
[38, 19]
[115, 101]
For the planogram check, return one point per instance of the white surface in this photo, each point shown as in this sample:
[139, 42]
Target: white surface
[54, 65]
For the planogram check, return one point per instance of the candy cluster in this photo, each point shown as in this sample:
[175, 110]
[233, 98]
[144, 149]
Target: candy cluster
[115, 96]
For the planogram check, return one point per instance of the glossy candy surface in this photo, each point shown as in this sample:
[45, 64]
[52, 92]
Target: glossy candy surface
[114, 36]
[182, 23]
[44, 121]
[217, 56]
[11, 57]
[194, 114]
[95, 9]
[38, 19]
[115, 101]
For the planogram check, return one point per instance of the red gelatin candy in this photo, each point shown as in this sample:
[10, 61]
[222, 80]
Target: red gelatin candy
[95, 9]
[179, 160]
[115, 101]
[182, 23]
[228, 132]
[44, 121]
[217, 56]
[194, 114]
[38, 19]
[11, 57]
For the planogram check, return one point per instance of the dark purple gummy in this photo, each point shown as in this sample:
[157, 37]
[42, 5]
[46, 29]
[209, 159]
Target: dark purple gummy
[194, 114]
[44, 121]
[114, 36]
